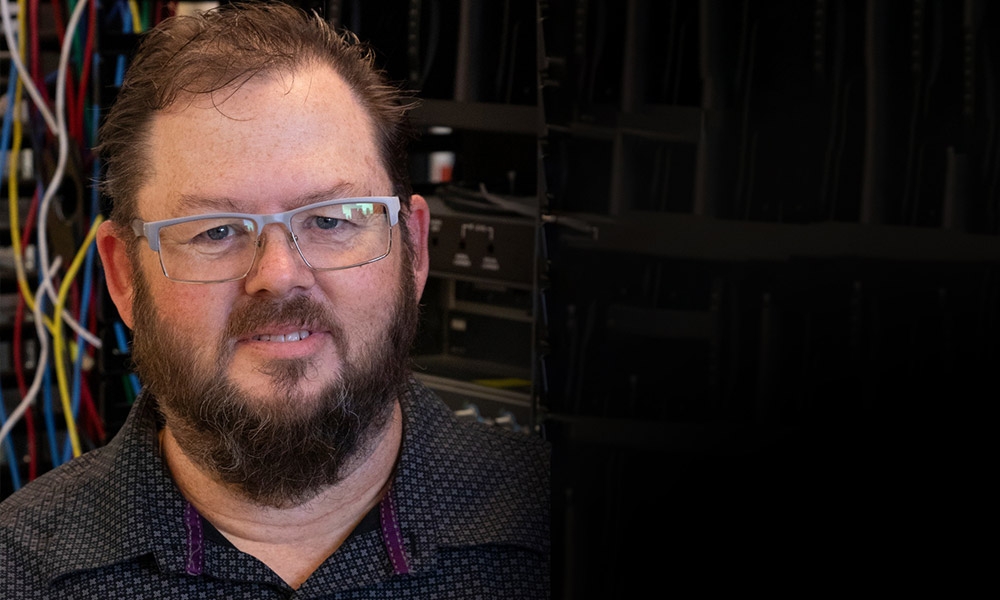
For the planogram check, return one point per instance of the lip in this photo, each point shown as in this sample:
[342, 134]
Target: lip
[284, 342]
[292, 336]
[279, 332]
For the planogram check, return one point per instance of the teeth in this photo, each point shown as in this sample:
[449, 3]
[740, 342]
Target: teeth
[290, 337]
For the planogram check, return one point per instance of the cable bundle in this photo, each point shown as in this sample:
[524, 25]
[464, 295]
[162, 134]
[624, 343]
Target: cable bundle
[62, 299]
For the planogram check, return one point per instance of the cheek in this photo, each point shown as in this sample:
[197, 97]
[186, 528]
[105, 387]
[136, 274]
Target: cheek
[363, 302]
[199, 311]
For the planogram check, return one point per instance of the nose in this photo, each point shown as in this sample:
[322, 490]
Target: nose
[278, 268]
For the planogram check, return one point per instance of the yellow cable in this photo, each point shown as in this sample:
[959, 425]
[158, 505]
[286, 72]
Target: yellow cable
[13, 178]
[14, 194]
[136, 17]
[57, 337]
[25, 290]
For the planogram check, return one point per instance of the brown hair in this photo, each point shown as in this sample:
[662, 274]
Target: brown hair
[220, 50]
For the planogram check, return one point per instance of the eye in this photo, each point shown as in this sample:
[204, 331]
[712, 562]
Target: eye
[218, 233]
[328, 222]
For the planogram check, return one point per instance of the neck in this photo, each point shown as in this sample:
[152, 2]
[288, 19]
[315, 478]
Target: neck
[292, 541]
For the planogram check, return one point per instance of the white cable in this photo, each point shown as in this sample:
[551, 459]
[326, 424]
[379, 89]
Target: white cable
[15, 56]
[46, 285]
[59, 173]
[58, 127]
[502, 202]
[43, 357]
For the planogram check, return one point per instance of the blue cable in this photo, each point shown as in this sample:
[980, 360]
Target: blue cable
[5, 137]
[95, 197]
[8, 447]
[91, 134]
[122, 8]
[88, 270]
[7, 118]
[81, 345]
[47, 412]
[126, 15]
[4, 155]
[123, 348]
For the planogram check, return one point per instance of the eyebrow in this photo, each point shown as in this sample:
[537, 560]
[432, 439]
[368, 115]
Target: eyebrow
[190, 203]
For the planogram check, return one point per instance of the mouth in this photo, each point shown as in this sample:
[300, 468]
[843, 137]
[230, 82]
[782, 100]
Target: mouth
[294, 336]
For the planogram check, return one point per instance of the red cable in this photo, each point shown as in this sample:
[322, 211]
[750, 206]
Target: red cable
[22, 387]
[92, 420]
[75, 121]
[57, 16]
[95, 426]
[85, 71]
[71, 116]
[71, 108]
[36, 69]
[29, 420]
[88, 412]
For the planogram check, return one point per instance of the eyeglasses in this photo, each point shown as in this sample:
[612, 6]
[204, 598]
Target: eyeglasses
[329, 235]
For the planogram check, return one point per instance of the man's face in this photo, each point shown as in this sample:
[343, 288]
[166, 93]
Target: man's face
[311, 357]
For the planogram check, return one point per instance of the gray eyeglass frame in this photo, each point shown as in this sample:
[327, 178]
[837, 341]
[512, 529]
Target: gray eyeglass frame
[151, 229]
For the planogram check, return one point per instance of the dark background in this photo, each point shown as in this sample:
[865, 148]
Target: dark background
[749, 290]
[765, 307]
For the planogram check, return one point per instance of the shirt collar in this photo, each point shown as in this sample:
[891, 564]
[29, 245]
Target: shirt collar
[458, 484]
[133, 507]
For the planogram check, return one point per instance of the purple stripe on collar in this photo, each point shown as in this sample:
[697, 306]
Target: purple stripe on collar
[195, 540]
[392, 536]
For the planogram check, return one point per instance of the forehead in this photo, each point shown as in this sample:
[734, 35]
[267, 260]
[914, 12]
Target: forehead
[263, 146]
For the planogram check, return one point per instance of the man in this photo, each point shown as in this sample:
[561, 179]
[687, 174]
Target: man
[267, 251]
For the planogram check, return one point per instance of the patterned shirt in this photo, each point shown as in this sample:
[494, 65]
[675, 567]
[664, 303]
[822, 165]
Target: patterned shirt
[467, 516]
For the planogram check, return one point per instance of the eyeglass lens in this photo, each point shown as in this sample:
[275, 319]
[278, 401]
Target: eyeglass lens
[330, 237]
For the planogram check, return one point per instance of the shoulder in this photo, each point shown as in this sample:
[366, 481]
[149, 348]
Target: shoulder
[472, 483]
[33, 520]
[85, 509]
[46, 499]
[470, 446]
[508, 452]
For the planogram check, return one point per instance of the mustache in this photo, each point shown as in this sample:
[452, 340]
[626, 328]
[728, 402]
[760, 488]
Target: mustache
[256, 314]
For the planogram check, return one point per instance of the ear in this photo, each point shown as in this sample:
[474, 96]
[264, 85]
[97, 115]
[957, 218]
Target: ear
[418, 224]
[117, 268]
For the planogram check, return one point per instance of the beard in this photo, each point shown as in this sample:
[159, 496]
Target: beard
[276, 451]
